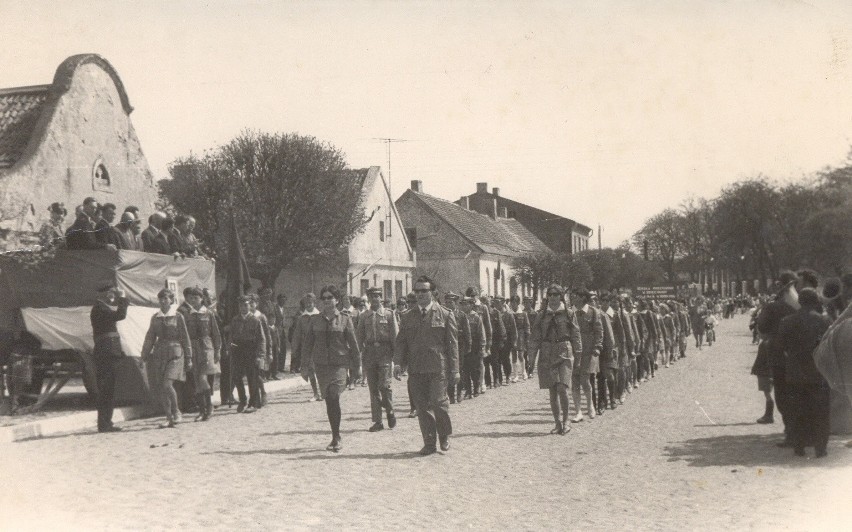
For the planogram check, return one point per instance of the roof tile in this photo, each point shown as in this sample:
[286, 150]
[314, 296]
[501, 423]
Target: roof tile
[19, 111]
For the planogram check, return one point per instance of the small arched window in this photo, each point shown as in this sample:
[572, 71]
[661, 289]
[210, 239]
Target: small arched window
[101, 179]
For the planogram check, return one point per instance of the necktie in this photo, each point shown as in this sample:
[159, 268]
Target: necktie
[422, 312]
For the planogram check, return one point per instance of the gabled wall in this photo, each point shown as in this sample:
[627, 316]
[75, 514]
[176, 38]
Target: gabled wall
[87, 124]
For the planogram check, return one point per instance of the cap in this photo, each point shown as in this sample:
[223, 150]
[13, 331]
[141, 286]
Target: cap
[451, 296]
[127, 217]
[498, 299]
[193, 291]
[375, 291]
[469, 300]
[58, 208]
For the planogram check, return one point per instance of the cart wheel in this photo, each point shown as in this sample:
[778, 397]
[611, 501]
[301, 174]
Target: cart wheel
[89, 380]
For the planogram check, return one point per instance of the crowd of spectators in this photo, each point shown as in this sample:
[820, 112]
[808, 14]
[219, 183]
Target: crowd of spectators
[93, 229]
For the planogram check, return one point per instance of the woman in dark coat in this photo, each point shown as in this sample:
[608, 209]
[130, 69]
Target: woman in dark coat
[167, 353]
[555, 337]
[206, 348]
[331, 350]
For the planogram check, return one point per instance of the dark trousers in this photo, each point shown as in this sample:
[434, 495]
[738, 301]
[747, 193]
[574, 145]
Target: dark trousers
[273, 367]
[471, 374]
[607, 388]
[782, 395]
[226, 380]
[808, 415]
[379, 384]
[247, 367]
[295, 361]
[531, 356]
[430, 398]
[505, 366]
[105, 370]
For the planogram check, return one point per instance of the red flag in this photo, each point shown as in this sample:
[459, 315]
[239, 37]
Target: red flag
[238, 279]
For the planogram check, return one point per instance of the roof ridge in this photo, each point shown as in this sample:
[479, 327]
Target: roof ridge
[27, 89]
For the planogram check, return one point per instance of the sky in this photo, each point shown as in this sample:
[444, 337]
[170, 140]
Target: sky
[605, 112]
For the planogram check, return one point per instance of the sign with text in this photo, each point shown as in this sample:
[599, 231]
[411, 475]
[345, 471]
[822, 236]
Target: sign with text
[669, 291]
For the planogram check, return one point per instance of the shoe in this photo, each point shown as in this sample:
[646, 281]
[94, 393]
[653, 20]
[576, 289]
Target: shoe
[821, 453]
[445, 443]
[591, 414]
[178, 417]
[200, 415]
[111, 428]
[250, 410]
[600, 412]
[452, 399]
[470, 396]
[428, 449]
[565, 429]
[391, 420]
[577, 419]
[558, 428]
[376, 427]
[766, 420]
[335, 446]
[412, 414]
[316, 397]
[613, 406]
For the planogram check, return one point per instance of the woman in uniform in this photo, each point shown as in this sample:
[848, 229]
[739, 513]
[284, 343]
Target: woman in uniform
[555, 335]
[206, 348]
[331, 350]
[168, 354]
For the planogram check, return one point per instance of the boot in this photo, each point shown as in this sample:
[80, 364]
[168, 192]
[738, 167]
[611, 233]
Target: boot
[208, 407]
[201, 401]
[767, 416]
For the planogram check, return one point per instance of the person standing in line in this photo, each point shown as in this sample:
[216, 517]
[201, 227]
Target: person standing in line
[267, 307]
[110, 308]
[504, 368]
[167, 352]
[683, 322]
[485, 316]
[247, 350]
[798, 335]
[610, 360]
[331, 349]
[529, 360]
[428, 346]
[52, 234]
[628, 376]
[670, 334]
[786, 302]
[586, 364]
[266, 362]
[281, 319]
[471, 365]
[206, 350]
[555, 337]
[697, 319]
[376, 332]
[464, 336]
[300, 331]
[499, 338]
[410, 303]
[522, 326]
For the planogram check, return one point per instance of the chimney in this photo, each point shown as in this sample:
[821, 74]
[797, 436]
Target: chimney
[496, 191]
[417, 185]
[494, 208]
[464, 201]
[504, 213]
[482, 188]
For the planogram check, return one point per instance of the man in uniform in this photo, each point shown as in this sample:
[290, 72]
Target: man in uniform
[522, 325]
[427, 345]
[530, 357]
[451, 303]
[471, 366]
[248, 354]
[110, 308]
[485, 316]
[297, 339]
[376, 332]
[267, 307]
[507, 319]
[498, 340]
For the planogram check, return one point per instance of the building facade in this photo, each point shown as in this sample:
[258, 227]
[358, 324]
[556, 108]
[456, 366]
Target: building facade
[461, 248]
[65, 141]
[557, 232]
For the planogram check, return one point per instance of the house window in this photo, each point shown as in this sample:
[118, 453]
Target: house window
[382, 231]
[398, 286]
[365, 285]
[487, 280]
[387, 288]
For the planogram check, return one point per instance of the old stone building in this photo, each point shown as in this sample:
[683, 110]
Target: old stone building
[65, 141]
[380, 256]
[557, 232]
[459, 247]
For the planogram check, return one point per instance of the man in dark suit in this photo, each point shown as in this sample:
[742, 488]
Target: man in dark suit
[427, 346]
[110, 308]
[808, 392]
[153, 239]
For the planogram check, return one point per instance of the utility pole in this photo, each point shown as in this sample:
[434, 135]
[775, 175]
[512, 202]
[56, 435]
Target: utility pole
[388, 216]
[599, 236]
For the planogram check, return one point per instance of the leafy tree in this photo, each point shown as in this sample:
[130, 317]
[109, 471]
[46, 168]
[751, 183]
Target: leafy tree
[292, 196]
[662, 233]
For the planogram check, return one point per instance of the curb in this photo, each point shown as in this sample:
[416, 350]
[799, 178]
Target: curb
[88, 421]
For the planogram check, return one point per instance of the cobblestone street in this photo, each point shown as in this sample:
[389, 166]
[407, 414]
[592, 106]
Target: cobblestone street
[683, 453]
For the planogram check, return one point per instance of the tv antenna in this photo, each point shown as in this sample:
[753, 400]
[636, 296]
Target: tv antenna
[389, 141]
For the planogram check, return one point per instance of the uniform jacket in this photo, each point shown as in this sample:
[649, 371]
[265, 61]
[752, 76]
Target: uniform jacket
[331, 341]
[508, 319]
[485, 315]
[768, 323]
[799, 334]
[300, 332]
[428, 344]
[246, 337]
[205, 339]
[591, 330]
[164, 333]
[523, 325]
[613, 340]
[477, 333]
[376, 332]
[498, 329]
[556, 326]
[631, 332]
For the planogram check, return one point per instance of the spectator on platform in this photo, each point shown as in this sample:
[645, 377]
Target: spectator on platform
[153, 239]
[82, 234]
[52, 235]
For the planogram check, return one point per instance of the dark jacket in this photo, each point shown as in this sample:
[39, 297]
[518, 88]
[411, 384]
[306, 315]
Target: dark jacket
[246, 338]
[155, 241]
[798, 335]
[428, 344]
[558, 326]
[331, 341]
[477, 333]
[768, 323]
[81, 235]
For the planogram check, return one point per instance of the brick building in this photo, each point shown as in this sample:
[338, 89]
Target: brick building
[65, 141]
[557, 232]
[459, 247]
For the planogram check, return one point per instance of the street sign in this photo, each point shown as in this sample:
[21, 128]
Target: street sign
[661, 292]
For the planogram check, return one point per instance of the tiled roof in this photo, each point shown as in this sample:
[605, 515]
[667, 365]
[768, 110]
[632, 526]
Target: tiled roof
[20, 109]
[524, 238]
[497, 237]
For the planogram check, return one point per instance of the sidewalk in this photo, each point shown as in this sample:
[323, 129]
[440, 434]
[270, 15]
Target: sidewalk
[88, 421]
